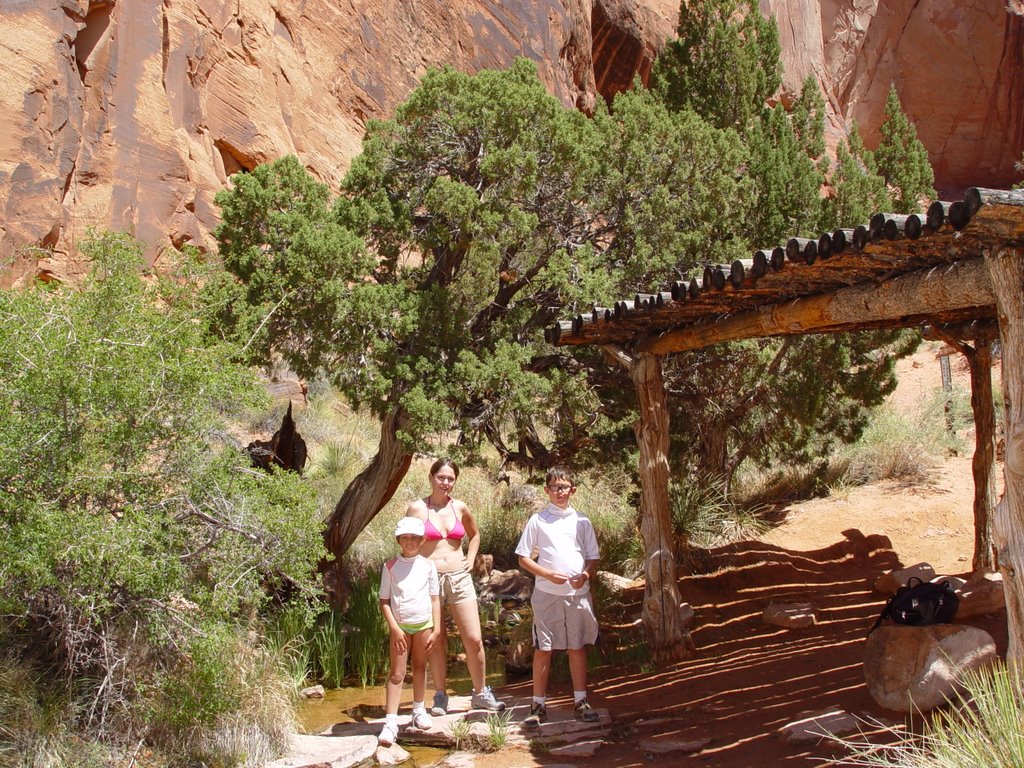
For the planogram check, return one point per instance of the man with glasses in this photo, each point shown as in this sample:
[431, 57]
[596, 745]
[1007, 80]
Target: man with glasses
[559, 547]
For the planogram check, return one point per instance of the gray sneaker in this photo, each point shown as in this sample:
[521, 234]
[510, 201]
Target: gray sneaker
[440, 707]
[485, 700]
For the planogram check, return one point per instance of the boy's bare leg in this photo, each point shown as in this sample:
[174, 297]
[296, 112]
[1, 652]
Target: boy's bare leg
[393, 689]
[578, 668]
[419, 665]
[541, 671]
[467, 619]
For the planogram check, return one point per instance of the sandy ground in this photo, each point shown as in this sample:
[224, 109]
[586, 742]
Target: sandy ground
[747, 679]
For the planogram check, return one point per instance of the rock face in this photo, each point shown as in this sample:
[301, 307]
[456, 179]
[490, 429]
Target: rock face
[132, 115]
[957, 66]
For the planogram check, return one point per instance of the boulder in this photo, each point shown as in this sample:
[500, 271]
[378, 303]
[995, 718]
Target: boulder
[889, 582]
[982, 595]
[313, 692]
[512, 585]
[482, 567]
[519, 655]
[613, 582]
[393, 755]
[915, 669]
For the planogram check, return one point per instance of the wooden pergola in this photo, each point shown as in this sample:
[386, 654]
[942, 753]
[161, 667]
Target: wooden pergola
[957, 270]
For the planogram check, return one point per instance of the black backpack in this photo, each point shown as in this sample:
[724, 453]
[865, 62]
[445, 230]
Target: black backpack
[920, 604]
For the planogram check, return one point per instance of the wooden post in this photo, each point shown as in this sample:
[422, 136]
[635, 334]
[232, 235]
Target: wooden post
[1006, 270]
[662, 620]
[983, 463]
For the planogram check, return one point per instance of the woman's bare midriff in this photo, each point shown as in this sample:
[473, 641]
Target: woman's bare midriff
[448, 558]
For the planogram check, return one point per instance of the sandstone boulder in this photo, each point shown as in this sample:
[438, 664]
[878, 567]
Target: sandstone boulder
[982, 596]
[888, 583]
[511, 586]
[915, 669]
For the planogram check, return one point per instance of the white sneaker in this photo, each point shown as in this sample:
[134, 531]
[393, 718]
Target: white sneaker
[388, 735]
[421, 720]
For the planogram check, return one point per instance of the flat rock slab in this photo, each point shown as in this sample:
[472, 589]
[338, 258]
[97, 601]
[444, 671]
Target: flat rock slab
[654, 747]
[337, 752]
[816, 726]
[585, 748]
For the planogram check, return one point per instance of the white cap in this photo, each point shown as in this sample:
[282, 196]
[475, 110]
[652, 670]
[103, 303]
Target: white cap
[409, 526]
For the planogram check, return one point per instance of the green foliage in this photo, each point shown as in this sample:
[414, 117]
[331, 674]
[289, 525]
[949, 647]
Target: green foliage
[368, 643]
[858, 190]
[980, 731]
[671, 184]
[902, 159]
[331, 649]
[788, 180]
[293, 262]
[497, 729]
[131, 528]
[774, 402]
[724, 64]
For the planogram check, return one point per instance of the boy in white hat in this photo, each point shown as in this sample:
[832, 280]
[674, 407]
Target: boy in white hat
[410, 604]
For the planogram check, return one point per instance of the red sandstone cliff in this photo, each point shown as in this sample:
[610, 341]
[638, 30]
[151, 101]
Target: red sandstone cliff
[131, 115]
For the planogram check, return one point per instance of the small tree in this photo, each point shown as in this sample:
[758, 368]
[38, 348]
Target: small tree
[724, 63]
[787, 164]
[857, 189]
[902, 159]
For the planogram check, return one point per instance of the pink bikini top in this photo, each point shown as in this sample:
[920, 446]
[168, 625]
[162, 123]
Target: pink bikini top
[431, 533]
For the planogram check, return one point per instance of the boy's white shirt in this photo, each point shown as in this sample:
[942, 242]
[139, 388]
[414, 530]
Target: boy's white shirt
[408, 586]
[565, 541]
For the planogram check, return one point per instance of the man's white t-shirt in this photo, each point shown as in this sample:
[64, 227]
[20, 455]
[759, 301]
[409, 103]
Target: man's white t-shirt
[408, 584]
[564, 540]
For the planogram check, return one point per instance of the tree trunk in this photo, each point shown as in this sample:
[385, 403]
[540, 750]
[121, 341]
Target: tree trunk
[713, 450]
[1006, 270]
[983, 464]
[371, 489]
[661, 616]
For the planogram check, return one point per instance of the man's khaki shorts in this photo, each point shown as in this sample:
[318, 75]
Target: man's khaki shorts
[456, 587]
[562, 622]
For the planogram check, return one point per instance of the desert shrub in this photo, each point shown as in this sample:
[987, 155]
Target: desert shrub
[34, 724]
[131, 527]
[227, 703]
[903, 445]
[981, 731]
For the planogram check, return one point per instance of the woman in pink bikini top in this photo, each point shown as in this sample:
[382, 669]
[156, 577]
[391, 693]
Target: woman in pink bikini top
[446, 522]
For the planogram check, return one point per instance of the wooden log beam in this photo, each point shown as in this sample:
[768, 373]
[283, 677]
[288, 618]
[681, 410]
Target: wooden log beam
[1006, 270]
[972, 330]
[924, 293]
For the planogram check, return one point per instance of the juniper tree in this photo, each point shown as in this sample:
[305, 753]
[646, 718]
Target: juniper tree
[857, 189]
[490, 211]
[751, 399]
[723, 63]
[902, 159]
